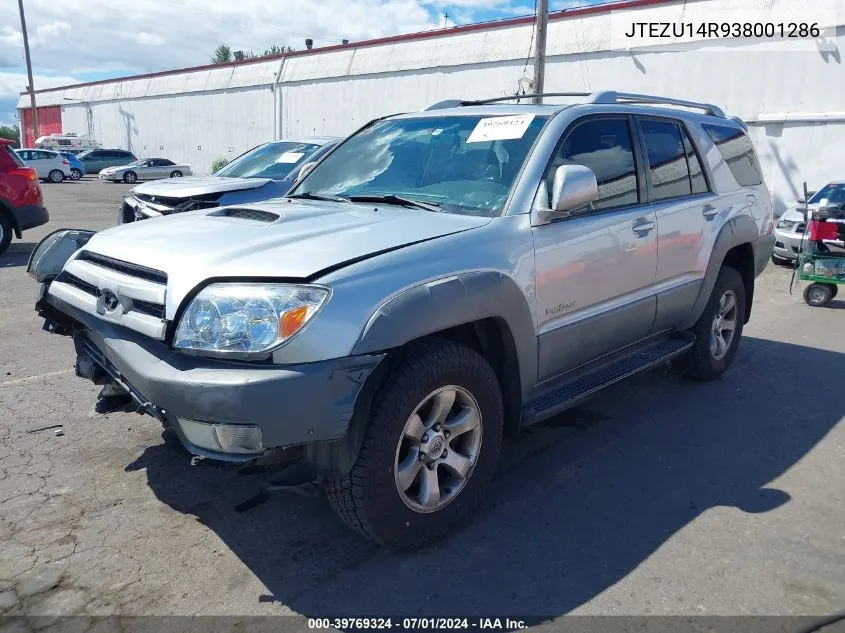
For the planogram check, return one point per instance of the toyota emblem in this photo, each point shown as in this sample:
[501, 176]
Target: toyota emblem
[110, 300]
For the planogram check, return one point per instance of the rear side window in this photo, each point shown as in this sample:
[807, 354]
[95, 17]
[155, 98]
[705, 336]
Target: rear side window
[738, 152]
[603, 145]
[13, 155]
[667, 161]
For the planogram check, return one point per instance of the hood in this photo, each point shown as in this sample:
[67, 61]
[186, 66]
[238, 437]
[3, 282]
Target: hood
[197, 186]
[289, 239]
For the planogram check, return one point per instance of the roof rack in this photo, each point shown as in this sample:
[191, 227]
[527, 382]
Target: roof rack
[609, 96]
[603, 97]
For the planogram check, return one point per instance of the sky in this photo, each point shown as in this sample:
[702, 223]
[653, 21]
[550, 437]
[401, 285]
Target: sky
[72, 42]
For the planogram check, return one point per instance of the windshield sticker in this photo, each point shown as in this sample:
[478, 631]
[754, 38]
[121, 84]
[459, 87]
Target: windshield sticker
[500, 128]
[290, 157]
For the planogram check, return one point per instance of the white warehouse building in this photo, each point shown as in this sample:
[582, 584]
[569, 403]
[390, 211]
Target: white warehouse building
[790, 92]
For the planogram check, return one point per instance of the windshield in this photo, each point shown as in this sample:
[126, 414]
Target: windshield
[834, 192]
[84, 153]
[462, 164]
[273, 160]
[136, 163]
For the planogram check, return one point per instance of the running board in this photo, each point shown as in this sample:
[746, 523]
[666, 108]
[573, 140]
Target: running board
[568, 393]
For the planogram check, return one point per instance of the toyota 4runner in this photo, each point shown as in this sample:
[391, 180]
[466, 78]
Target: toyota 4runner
[438, 279]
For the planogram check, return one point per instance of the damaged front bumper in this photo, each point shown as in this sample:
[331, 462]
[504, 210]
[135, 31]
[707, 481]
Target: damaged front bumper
[225, 410]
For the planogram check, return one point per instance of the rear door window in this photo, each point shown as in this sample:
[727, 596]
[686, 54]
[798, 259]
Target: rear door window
[667, 160]
[697, 177]
[738, 151]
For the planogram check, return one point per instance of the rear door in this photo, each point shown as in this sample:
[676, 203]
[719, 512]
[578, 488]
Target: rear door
[595, 270]
[687, 215]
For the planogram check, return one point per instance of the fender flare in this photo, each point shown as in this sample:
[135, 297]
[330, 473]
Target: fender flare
[453, 301]
[735, 232]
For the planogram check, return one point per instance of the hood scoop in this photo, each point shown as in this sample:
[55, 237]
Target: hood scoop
[253, 215]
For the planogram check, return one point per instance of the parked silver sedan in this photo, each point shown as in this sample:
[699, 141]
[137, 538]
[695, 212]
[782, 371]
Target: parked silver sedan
[146, 169]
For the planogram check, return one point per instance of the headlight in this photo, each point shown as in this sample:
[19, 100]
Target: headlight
[234, 319]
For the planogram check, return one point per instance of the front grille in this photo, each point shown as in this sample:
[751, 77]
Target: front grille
[76, 282]
[133, 270]
[147, 307]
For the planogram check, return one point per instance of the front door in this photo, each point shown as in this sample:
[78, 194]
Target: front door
[595, 271]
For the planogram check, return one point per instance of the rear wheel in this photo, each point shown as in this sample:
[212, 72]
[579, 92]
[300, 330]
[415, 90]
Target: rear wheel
[718, 330]
[431, 445]
[818, 295]
[56, 175]
[129, 177]
[175, 174]
[75, 174]
[5, 233]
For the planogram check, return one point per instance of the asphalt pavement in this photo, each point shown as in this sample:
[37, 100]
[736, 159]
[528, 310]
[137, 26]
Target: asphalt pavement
[657, 497]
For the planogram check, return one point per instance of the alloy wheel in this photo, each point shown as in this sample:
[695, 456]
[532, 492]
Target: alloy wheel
[438, 449]
[724, 325]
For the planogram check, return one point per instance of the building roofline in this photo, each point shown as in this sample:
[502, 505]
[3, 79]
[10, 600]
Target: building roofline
[408, 37]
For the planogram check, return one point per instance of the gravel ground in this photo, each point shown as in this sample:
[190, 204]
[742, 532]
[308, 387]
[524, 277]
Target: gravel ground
[656, 497]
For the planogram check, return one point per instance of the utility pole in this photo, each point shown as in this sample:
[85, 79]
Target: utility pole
[542, 22]
[31, 86]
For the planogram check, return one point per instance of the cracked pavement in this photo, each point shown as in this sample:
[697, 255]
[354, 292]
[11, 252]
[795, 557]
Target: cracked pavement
[656, 497]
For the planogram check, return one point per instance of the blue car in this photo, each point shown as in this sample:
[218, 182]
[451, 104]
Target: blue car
[77, 167]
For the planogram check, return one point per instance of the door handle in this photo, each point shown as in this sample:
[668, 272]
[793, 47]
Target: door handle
[709, 211]
[642, 225]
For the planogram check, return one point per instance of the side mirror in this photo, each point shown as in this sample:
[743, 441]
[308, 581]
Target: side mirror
[305, 170]
[824, 204]
[573, 187]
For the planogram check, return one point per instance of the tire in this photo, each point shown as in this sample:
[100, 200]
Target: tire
[75, 174]
[369, 499]
[56, 176]
[818, 294]
[5, 233]
[129, 177]
[834, 290]
[704, 362]
[176, 174]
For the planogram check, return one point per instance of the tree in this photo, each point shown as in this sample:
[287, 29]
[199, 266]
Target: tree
[10, 132]
[222, 54]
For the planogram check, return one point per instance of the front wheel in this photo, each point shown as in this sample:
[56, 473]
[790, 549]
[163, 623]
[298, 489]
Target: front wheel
[818, 295]
[56, 176]
[718, 330]
[129, 177]
[432, 442]
[75, 174]
[175, 174]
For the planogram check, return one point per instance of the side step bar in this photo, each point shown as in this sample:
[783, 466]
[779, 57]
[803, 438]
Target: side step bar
[588, 381]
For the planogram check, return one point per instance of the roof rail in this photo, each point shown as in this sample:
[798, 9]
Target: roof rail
[603, 97]
[609, 96]
[526, 96]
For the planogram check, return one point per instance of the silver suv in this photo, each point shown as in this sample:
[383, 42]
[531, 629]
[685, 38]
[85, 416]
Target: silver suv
[438, 279]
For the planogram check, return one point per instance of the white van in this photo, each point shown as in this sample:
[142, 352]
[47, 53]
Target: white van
[66, 142]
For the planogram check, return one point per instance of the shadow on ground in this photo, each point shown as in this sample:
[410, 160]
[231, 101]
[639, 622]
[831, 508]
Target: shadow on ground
[16, 255]
[577, 504]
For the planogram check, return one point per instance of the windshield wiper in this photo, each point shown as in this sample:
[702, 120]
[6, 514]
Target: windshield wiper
[400, 200]
[315, 196]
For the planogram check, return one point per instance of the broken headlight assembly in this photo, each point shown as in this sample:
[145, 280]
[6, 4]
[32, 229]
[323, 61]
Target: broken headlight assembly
[246, 320]
[52, 253]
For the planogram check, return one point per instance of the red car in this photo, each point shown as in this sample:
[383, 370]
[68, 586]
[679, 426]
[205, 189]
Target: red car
[21, 202]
